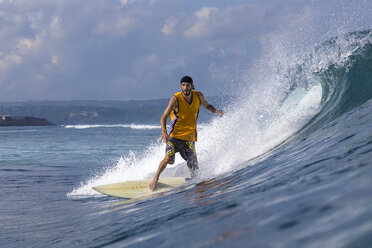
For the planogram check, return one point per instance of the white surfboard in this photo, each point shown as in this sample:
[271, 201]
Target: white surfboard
[140, 188]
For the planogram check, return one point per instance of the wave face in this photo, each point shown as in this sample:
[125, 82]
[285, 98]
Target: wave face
[343, 66]
[291, 158]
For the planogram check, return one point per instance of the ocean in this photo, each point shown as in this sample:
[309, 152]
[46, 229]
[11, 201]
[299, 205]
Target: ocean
[288, 165]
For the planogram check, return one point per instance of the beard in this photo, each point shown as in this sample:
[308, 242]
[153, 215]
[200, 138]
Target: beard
[186, 92]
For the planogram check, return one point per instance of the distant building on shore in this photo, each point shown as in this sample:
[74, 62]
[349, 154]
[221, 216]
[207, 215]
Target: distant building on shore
[8, 120]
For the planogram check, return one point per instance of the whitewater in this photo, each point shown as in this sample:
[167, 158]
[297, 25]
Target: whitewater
[289, 165]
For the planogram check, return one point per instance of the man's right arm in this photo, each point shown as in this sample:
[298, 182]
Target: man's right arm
[164, 117]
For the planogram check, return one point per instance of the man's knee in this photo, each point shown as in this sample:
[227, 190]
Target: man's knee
[192, 165]
[169, 160]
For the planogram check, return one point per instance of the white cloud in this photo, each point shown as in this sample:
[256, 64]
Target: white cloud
[124, 2]
[237, 21]
[35, 19]
[9, 60]
[169, 26]
[54, 60]
[118, 27]
[201, 26]
[152, 58]
[205, 12]
[37, 77]
[25, 45]
[56, 28]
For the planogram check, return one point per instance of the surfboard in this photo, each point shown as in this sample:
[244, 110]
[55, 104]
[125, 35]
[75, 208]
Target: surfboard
[140, 188]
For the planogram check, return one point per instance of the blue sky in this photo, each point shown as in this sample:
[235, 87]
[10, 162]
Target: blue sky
[139, 49]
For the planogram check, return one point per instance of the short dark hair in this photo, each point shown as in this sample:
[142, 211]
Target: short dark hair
[186, 79]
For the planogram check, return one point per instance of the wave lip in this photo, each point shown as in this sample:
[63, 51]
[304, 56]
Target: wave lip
[343, 67]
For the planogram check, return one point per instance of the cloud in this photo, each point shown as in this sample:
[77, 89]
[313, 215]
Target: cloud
[205, 12]
[24, 46]
[55, 28]
[20, 50]
[169, 26]
[211, 23]
[124, 2]
[88, 46]
[8, 61]
[152, 58]
[54, 60]
[82, 49]
[119, 26]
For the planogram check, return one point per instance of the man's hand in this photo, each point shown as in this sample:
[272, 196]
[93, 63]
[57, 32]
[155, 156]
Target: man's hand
[219, 112]
[165, 137]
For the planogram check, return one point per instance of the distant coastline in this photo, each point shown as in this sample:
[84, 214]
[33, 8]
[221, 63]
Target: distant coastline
[88, 112]
[8, 120]
[98, 112]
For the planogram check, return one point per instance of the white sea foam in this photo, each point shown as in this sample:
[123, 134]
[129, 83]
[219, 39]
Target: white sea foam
[258, 124]
[131, 167]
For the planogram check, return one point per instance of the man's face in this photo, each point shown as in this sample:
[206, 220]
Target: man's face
[186, 88]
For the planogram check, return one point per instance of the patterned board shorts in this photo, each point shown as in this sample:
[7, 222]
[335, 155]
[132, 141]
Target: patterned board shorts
[186, 148]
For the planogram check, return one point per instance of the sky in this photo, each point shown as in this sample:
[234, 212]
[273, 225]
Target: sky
[139, 49]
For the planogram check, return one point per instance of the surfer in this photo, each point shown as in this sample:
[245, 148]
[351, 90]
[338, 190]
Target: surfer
[183, 108]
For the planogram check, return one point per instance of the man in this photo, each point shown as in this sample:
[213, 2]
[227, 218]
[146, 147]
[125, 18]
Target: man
[184, 108]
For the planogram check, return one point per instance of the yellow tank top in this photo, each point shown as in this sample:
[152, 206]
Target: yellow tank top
[183, 125]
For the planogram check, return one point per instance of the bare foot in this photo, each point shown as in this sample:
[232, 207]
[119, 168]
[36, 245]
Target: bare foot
[152, 185]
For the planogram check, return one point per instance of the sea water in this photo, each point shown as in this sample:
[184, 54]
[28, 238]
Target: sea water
[289, 165]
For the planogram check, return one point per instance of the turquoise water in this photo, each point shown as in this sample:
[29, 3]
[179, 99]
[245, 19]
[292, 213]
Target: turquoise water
[288, 166]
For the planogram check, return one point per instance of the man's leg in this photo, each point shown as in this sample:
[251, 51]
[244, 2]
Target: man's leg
[168, 159]
[193, 166]
[189, 154]
[161, 168]
[192, 173]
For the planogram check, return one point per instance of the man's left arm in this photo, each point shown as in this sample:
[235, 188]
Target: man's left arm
[209, 106]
